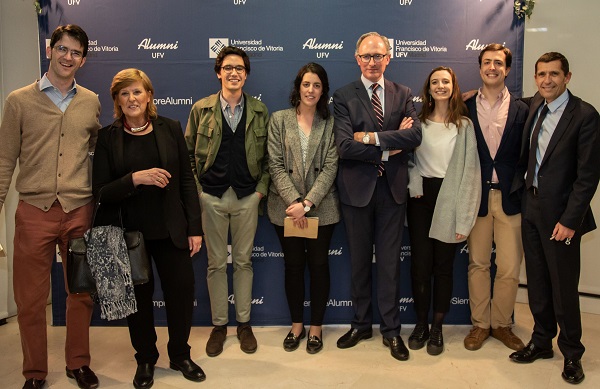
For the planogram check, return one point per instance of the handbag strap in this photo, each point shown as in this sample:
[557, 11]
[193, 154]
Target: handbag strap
[96, 206]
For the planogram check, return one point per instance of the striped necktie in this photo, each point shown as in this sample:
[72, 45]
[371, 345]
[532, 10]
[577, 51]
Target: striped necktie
[379, 115]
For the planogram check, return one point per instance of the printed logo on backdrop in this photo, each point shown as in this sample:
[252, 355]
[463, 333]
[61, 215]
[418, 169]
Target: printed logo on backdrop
[161, 303]
[403, 303]
[158, 50]
[74, 2]
[459, 301]
[322, 49]
[94, 48]
[171, 100]
[405, 251]
[474, 44]
[406, 2]
[333, 303]
[215, 45]
[254, 301]
[415, 48]
[252, 47]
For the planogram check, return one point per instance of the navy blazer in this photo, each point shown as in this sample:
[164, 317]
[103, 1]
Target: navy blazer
[507, 156]
[357, 170]
[569, 173]
[181, 209]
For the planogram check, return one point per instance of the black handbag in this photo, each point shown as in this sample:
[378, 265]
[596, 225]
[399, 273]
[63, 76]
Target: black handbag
[79, 275]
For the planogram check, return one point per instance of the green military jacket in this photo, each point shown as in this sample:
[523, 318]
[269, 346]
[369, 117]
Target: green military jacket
[204, 132]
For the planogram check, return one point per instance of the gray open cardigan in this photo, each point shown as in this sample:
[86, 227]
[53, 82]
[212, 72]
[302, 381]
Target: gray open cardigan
[458, 201]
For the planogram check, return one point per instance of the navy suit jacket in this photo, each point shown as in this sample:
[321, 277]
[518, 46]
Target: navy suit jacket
[357, 170]
[507, 156]
[569, 173]
[181, 209]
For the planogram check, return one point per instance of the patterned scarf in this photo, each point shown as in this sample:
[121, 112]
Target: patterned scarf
[109, 263]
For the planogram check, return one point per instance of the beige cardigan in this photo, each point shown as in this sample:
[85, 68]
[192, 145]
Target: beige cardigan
[53, 148]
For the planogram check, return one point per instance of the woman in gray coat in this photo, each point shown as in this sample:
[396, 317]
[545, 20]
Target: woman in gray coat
[303, 164]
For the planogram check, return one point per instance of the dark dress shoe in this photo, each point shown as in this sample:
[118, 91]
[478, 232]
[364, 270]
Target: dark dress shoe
[314, 344]
[189, 369]
[84, 376]
[291, 341]
[397, 347]
[34, 383]
[435, 345]
[144, 376]
[573, 372]
[352, 337]
[419, 336]
[530, 353]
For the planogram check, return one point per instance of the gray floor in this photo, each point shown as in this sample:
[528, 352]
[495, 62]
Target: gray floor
[367, 365]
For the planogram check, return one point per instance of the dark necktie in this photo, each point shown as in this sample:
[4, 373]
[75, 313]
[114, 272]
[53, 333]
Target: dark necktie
[534, 146]
[377, 106]
[379, 115]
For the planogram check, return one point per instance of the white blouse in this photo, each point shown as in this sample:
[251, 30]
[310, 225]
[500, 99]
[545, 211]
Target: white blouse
[433, 155]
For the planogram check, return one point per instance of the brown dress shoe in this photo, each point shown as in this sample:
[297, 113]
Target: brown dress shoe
[217, 337]
[247, 340]
[506, 336]
[476, 337]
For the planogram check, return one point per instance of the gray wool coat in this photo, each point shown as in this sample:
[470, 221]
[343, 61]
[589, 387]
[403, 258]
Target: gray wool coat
[460, 194]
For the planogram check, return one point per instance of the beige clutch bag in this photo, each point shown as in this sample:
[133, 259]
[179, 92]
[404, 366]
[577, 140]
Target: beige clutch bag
[310, 232]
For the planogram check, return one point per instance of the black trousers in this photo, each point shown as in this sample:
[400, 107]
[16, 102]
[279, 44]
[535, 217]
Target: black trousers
[553, 270]
[174, 267]
[381, 222]
[297, 252]
[430, 258]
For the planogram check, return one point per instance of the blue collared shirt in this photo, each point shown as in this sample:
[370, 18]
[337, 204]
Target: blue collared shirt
[555, 111]
[62, 102]
[232, 116]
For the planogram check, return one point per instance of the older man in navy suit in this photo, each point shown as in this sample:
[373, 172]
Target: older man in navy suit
[372, 179]
[561, 155]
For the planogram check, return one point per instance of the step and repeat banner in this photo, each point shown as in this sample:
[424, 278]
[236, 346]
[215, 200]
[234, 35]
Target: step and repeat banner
[176, 42]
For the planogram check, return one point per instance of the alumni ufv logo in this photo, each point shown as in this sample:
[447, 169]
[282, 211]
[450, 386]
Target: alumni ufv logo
[147, 44]
[312, 44]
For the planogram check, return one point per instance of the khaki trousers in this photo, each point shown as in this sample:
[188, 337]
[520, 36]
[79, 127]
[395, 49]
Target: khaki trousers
[505, 231]
[219, 216]
[36, 235]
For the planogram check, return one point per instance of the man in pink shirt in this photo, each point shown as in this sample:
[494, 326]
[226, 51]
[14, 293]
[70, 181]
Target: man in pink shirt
[498, 119]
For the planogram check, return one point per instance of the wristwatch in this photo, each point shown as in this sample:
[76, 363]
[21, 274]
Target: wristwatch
[306, 207]
[366, 138]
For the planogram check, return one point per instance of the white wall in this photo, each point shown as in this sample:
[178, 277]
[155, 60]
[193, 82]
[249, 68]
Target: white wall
[571, 28]
[19, 66]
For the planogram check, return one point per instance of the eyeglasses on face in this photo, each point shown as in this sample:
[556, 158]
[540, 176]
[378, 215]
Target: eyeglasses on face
[366, 58]
[238, 69]
[62, 50]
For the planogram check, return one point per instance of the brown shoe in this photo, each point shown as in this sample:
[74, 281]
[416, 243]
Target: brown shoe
[506, 336]
[214, 346]
[247, 339]
[476, 337]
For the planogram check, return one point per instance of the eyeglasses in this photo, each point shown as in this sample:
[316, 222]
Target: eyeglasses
[62, 50]
[238, 69]
[366, 58]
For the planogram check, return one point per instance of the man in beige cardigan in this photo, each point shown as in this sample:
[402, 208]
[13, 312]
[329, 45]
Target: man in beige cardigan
[50, 127]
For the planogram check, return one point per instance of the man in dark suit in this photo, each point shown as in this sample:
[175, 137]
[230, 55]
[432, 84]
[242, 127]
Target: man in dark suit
[498, 119]
[372, 179]
[560, 157]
